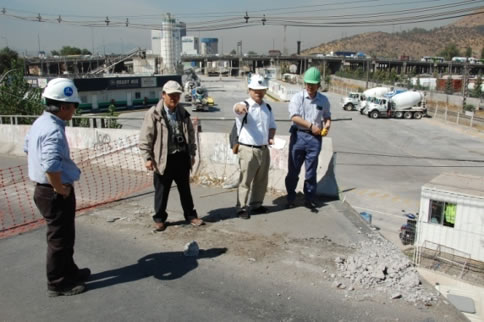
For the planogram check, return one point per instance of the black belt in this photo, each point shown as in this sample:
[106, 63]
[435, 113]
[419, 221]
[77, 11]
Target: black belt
[44, 185]
[50, 186]
[305, 131]
[253, 146]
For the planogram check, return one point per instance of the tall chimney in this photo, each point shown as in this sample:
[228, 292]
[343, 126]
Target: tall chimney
[299, 47]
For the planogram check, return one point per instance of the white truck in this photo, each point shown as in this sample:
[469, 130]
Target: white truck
[358, 100]
[405, 105]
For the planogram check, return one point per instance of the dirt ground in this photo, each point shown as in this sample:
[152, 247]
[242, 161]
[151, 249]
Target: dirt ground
[301, 262]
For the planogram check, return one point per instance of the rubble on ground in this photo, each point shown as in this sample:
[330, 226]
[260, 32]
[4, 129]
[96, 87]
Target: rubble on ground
[380, 265]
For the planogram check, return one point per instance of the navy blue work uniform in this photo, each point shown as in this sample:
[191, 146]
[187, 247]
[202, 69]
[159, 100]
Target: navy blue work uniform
[304, 147]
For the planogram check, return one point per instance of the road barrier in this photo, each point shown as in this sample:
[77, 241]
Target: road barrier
[112, 168]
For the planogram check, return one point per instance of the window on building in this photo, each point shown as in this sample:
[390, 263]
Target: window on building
[83, 99]
[442, 213]
[137, 95]
[152, 94]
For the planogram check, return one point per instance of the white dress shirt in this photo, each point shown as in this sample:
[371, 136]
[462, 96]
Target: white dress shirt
[259, 120]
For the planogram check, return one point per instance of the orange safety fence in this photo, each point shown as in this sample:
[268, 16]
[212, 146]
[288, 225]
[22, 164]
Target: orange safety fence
[110, 171]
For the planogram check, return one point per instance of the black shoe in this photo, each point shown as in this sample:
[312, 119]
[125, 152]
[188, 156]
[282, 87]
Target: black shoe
[69, 290]
[260, 210]
[243, 214]
[290, 205]
[83, 274]
[310, 204]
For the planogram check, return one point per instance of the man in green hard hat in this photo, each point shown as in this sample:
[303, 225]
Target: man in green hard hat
[310, 113]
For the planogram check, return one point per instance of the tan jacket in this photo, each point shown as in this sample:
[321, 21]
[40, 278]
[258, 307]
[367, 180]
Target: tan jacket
[153, 137]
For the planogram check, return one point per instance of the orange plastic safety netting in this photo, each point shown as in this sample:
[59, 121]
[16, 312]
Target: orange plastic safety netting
[110, 171]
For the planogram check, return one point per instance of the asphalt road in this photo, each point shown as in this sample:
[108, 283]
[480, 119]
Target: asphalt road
[380, 164]
[275, 267]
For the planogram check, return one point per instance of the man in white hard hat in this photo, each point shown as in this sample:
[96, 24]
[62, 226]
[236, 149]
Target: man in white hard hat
[54, 173]
[167, 144]
[256, 128]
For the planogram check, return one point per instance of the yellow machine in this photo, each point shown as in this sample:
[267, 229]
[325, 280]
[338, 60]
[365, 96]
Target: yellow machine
[210, 101]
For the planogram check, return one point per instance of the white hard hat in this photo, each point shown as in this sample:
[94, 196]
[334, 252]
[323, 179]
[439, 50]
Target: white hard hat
[61, 89]
[257, 82]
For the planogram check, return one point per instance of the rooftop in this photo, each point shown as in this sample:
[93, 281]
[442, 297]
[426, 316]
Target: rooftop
[458, 183]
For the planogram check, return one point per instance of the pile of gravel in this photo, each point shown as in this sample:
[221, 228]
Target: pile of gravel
[378, 264]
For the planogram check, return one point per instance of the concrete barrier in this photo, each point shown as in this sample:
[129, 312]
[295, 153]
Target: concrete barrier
[282, 90]
[215, 160]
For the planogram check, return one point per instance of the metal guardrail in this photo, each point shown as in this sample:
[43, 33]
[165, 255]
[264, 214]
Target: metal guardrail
[94, 121]
[104, 121]
[460, 118]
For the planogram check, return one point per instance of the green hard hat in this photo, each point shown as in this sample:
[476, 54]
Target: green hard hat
[312, 76]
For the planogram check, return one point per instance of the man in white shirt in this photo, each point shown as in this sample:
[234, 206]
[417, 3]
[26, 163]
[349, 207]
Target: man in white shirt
[256, 127]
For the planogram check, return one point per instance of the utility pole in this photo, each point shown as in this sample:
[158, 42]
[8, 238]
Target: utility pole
[92, 41]
[367, 72]
[465, 83]
[285, 47]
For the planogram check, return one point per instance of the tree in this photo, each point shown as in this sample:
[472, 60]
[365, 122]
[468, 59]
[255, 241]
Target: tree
[450, 51]
[449, 87]
[233, 52]
[477, 91]
[482, 53]
[468, 52]
[251, 53]
[17, 97]
[68, 50]
[54, 53]
[8, 58]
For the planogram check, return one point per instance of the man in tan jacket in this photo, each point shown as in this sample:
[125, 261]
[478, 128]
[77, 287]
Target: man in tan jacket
[167, 144]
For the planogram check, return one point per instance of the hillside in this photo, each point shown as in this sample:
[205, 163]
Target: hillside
[465, 32]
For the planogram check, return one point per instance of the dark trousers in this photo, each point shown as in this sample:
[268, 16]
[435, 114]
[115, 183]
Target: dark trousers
[178, 170]
[303, 148]
[59, 213]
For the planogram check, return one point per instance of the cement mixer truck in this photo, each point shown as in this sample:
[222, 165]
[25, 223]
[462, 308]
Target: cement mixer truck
[358, 100]
[405, 105]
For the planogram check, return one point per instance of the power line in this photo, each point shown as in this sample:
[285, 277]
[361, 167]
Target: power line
[351, 20]
[222, 13]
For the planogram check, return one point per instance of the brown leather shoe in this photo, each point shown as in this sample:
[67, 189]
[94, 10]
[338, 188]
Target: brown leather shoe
[196, 222]
[159, 226]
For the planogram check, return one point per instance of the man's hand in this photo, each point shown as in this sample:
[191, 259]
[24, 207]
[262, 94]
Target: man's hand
[149, 165]
[315, 130]
[271, 141]
[65, 191]
[240, 109]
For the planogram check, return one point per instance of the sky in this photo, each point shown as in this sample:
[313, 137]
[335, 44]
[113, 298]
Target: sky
[27, 37]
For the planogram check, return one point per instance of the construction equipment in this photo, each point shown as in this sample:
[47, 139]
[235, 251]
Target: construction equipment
[405, 105]
[200, 99]
[358, 100]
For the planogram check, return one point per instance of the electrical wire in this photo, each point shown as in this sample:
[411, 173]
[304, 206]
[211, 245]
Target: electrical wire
[404, 16]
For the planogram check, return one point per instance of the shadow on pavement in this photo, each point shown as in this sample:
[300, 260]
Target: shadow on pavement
[231, 212]
[162, 266]
[281, 202]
